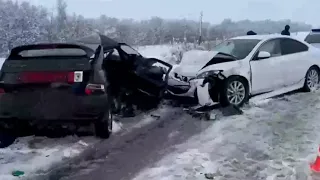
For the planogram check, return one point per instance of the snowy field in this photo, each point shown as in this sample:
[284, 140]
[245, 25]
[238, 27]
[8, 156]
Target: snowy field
[274, 140]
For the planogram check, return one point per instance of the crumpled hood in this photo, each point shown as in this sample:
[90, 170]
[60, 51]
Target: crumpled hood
[187, 70]
[193, 61]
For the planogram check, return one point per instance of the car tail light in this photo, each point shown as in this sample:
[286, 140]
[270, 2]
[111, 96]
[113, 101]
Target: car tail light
[43, 77]
[95, 89]
[2, 91]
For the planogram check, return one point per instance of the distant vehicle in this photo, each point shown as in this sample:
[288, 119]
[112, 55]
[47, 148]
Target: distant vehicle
[64, 85]
[245, 66]
[313, 38]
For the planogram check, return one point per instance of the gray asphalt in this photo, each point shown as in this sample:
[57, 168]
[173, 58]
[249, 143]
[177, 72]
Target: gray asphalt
[122, 156]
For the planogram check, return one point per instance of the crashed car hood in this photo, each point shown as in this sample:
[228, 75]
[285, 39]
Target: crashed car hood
[187, 70]
[193, 67]
[192, 61]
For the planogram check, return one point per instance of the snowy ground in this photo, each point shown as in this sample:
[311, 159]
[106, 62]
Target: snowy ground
[35, 154]
[273, 140]
[252, 135]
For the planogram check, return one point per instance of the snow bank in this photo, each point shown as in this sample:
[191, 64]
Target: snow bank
[169, 53]
[300, 35]
[276, 139]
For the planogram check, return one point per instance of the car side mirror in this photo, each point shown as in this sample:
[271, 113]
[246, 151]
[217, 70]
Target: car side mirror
[263, 55]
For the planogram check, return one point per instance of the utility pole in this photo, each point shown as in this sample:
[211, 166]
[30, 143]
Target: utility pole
[200, 28]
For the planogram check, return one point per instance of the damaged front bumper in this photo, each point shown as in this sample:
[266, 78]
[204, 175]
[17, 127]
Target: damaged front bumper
[180, 88]
[209, 89]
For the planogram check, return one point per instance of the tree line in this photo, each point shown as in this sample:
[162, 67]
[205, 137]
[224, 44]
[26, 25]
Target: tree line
[24, 23]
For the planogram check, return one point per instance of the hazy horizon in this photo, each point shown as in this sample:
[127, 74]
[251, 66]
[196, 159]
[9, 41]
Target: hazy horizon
[295, 10]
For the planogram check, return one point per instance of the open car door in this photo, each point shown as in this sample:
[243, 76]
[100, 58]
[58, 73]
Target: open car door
[147, 75]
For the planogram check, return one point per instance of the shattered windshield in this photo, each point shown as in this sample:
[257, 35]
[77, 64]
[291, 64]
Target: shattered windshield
[240, 48]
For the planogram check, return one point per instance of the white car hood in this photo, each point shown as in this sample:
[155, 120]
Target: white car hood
[188, 70]
[193, 61]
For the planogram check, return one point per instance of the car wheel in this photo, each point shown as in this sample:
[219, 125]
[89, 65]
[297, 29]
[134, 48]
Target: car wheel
[235, 91]
[312, 79]
[103, 127]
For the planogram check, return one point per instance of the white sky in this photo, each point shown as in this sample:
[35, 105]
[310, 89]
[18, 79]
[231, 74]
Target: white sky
[214, 10]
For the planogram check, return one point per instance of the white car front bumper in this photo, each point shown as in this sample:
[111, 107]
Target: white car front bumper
[203, 95]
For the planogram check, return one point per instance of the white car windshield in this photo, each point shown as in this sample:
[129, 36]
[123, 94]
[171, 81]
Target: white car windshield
[129, 50]
[240, 48]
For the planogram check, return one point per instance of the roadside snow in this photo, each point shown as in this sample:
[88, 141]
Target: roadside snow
[273, 140]
[167, 53]
[116, 127]
[34, 155]
[300, 35]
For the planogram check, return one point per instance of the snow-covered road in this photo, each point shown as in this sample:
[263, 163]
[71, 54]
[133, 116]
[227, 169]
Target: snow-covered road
[273, 140]
[36, 155]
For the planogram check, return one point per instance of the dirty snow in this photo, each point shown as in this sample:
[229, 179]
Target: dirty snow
[34, 155]
[275, 140]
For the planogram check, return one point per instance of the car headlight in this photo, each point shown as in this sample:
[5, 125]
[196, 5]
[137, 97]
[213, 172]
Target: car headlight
[208, 73]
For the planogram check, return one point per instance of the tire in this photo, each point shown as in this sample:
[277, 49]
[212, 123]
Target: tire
[243, 92]
[312, 78]
[103, 127]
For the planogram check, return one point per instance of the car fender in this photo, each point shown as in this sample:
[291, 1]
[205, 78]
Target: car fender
[233, 68]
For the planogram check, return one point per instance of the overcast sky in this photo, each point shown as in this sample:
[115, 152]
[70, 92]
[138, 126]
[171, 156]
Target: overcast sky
[214, 10]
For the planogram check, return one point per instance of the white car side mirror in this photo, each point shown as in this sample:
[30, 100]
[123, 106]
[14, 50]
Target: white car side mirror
[263, 55]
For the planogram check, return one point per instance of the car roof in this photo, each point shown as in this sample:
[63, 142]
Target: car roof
[260, 37]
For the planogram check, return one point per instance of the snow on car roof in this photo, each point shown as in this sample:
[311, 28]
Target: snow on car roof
[260, 37]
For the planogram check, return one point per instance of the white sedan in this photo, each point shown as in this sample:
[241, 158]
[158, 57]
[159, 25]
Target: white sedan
[251, 65]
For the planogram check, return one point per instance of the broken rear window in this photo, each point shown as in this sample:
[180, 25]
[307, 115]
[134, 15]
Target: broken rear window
[52, 52]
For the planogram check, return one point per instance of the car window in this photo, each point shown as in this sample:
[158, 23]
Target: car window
[313, 38]
[53, 52]
[272, 47]
[114, 54]
[291, 46]
[129, 50]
